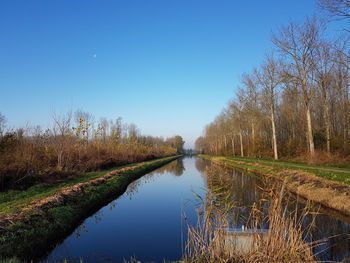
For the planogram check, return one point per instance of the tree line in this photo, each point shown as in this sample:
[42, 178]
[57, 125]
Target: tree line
[75, 144]
[296, 102]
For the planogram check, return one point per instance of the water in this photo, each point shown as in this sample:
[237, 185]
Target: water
[147, 222]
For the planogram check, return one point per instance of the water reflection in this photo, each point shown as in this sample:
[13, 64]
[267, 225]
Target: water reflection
[81, 229]
[146, 221]
[237, 190]
[334, 234]
[201, 166]
[176, 167]
[246, 192]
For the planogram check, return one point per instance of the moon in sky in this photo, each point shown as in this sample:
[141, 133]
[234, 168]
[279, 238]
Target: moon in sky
[94, 55]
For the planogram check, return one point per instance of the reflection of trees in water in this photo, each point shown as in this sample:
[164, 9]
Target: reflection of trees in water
[244, 192]
[112, 205]
[201, 165]
[133, 187]
[80, 229]
[83, 228]
[333, 234]
[176, 167]
[179, 167]
[329, 233]
[240, 191]
[97, 217]
[337, 243]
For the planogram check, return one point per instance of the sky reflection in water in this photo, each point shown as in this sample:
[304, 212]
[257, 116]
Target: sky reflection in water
[146, 222]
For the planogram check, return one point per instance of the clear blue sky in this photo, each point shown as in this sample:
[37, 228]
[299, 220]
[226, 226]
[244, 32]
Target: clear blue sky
[169, 66]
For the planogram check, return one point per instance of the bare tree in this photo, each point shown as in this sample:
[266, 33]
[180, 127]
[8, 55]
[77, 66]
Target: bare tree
[336, 8]
[303, 91]
[251, 103]
[2, 124]
[270, 78]
[117, 128]
[297, 44]
[325, 82]
[84, 120]
[61, 123]
[133, 132]
[342, 85]
[61, 130]
[237, 111]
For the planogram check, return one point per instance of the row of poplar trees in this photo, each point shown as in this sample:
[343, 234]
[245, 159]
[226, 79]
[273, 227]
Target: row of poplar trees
[295, 102]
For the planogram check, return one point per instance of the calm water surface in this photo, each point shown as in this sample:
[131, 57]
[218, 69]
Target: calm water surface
[147, 222]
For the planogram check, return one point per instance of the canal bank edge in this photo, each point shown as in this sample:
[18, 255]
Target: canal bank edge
[37, 228]
[330, 194]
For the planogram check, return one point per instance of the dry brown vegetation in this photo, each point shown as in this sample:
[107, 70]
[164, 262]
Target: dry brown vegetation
[323, 158]
[210, 241]
[73, 145]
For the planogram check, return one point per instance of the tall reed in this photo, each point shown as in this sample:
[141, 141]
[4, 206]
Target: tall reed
[210, 241]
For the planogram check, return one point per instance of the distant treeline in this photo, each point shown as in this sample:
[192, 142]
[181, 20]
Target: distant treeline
[75, 144]
[295, 103]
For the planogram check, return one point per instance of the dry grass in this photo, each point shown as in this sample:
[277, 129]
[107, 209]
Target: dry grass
[324, 158]
[30, 156]
[208, 241]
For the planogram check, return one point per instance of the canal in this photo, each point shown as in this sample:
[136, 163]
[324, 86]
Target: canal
[149, 221]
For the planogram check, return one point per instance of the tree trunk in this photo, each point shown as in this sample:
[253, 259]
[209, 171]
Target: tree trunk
[328, 126]
[345, 116]
[241, 141]
[225, 143]
[233, 145]
[309, 131]
[326, 114]
[253, 139]
[274, 138]
[59, 160]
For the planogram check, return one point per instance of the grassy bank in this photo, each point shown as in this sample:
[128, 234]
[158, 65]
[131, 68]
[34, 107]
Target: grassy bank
[334, 173]
[325, 185]
[34, 220]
